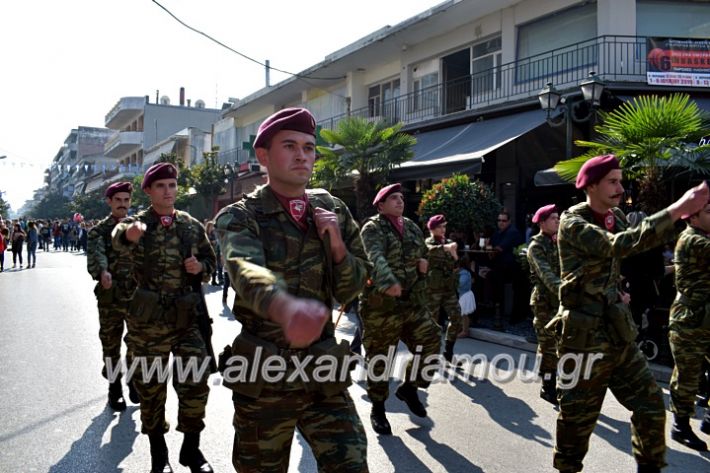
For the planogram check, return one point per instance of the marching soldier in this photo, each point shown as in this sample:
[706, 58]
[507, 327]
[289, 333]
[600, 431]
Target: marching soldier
[442, 280]
[595, 327]
[289, 252]
[113, 290]
[689, 326]
[544, 264]
[394, 306]
[171, 255]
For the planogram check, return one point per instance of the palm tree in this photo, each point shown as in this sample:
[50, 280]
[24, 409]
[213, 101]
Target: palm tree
[655, 138]
[363, 150]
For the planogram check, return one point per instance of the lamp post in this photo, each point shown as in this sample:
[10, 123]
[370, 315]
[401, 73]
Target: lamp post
[550, 100]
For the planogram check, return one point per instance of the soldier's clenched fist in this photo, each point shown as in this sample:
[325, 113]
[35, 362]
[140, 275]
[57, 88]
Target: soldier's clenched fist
[135, 231]
[302, 320]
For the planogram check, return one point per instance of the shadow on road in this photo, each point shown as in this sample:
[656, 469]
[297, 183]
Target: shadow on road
[510, 413]
[449, 458]
[401, 457]
[88, 455]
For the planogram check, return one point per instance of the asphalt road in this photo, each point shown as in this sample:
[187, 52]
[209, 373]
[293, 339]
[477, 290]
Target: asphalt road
[53, 414]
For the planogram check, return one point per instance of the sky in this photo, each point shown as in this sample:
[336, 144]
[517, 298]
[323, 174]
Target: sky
[65, 64]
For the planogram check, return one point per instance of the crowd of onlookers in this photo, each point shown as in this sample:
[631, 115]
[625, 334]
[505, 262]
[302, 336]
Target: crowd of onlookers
[25, 236]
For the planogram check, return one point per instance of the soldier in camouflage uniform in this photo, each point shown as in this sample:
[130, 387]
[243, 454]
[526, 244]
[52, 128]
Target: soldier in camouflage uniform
[596, 327]
[113, 290]
[689, 326]
[289, 253]
[168, 248]
[544, 263]
[442, 280]
[394, 304]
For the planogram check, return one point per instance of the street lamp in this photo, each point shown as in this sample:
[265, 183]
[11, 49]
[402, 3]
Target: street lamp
[550, 99]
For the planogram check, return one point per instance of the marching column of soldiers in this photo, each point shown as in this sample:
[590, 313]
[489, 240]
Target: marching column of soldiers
[292, 253]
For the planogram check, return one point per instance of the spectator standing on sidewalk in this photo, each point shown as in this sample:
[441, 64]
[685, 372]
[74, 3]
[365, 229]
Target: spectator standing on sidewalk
[290, 252]
[544, 262]
[32, 241]
[594, 320]
[394, 306]
[503, 264]
[689, 327]
[442, 280]
[18, 238]
[114, 289]
[4, 232]
[169, 248]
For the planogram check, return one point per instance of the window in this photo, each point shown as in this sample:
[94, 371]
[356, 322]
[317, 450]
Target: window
[673, 19]
[486, 66]
[561, 32]
[425, 92]
[381, 99]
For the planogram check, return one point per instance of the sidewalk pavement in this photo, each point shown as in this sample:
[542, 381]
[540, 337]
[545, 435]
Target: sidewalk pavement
[660, 372]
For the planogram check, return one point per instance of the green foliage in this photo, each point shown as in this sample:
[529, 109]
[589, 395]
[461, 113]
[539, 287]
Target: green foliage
[4, 207]
[208, 177]
[655, 139]
[366, 150]
[468, 205]
[91, 205]
[140, 200]
[53, 205]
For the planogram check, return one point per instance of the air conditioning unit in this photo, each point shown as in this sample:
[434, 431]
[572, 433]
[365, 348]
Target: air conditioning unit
[254, 167]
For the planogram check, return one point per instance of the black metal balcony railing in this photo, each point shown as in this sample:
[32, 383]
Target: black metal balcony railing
[233, 157]
[613, 58]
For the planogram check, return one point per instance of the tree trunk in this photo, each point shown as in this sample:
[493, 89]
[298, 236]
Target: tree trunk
[364, 193]
[653, 195]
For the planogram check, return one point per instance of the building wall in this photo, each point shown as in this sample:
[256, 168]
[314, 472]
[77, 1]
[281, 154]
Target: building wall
[161, 121]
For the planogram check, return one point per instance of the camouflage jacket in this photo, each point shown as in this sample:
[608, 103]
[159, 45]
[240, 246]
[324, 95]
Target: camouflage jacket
[266, 252]
[544, 261]
[160, 254]
[692, 278]
[590, 256]
[443, 269]
[101, 256]
[394, 260]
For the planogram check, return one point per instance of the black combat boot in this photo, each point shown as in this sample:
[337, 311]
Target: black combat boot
[379, 420]
[648, 469]
[159, 454]
[705, 424]
[449, 350]
[548, 392]
[408, 393]
[133, 393]
[115, 396]
[683, 433]
[191, 456]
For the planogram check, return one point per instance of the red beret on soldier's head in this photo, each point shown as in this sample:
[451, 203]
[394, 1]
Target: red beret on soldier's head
[435, 221]
[159, 171]
[295, 119]
[543, 213]
[595, 169]
[386, 191]
[117, 187]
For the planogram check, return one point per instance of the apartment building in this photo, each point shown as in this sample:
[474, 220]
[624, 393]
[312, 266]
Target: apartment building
[464, 77]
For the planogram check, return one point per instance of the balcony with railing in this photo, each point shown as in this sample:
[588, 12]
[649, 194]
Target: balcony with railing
[615, 59]
[124, 112]
[122, 143]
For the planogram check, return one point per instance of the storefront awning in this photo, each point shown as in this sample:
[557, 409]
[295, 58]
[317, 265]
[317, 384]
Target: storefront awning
[461, 148]
[548, 177]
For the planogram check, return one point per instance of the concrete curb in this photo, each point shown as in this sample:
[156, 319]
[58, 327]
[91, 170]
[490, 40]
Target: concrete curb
[660, 372]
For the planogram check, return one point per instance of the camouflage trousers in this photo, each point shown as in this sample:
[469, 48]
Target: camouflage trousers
[689, 347]
[264, 428]
[449, 303]
[414, 326]
[625, 372]
[546, 341]
[152, 344]
[111, 323]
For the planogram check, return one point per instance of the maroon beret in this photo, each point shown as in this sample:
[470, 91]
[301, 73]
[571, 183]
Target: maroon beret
[543, 213]
[117, 187]
[435, 221]
[595, 169]
[386, 191]
[295, 119]
[159, 171]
